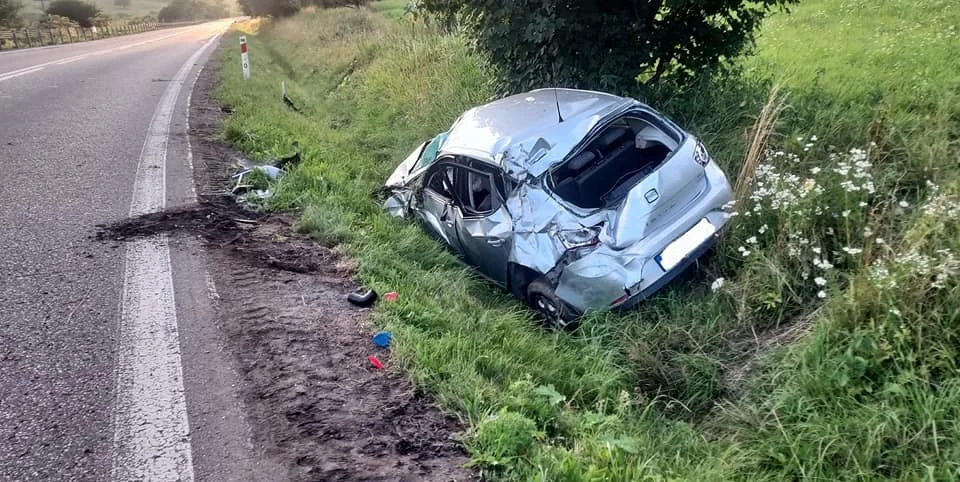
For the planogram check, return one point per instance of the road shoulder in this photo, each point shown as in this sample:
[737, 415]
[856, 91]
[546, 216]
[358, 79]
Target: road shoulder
[275, 359]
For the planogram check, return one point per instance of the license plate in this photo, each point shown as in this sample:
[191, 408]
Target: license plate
[681, 247]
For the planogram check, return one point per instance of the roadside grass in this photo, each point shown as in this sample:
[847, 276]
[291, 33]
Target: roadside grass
[841, 246]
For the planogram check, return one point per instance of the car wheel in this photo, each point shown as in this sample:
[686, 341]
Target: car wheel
[554, 313]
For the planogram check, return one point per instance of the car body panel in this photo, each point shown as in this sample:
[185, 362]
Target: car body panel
[522, 137]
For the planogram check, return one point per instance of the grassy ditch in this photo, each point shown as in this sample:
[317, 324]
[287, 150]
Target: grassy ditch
[819, 341]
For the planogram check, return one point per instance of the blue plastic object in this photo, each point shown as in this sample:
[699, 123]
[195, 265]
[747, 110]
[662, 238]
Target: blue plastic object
[382, 339]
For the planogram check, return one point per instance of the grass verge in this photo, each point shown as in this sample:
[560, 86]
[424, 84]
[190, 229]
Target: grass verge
[820, 341]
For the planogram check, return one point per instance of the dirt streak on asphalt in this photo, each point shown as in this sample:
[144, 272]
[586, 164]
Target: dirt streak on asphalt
[311, 394]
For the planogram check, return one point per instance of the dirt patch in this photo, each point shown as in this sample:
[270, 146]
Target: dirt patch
[311, 394]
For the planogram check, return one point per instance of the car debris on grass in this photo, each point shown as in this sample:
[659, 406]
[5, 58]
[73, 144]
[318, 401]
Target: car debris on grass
[575, 200]
[251, 183]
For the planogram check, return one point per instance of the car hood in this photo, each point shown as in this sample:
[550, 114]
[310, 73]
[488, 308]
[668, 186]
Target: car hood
[401, 175]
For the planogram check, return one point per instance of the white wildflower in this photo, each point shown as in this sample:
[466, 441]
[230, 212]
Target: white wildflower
[752, 240]
[904, 204]
[894, 312]
[852, 251]
[717, 284]
[822, 264]
[762, 229]
[815, 170]
[814, 138]
[867, 231]
[817, 250]
[845, 213]
[822, 294]
[880, 241]
[820, 281]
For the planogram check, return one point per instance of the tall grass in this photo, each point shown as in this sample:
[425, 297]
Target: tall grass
[838, 248]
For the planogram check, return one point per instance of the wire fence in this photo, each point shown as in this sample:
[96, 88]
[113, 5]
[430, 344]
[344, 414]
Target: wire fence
[41, 36]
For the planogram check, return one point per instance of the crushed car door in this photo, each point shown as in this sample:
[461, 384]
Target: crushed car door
[483, 223]
[439, 210]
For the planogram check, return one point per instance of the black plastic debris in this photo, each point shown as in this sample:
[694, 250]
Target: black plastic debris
[362, 297]
[286, 99]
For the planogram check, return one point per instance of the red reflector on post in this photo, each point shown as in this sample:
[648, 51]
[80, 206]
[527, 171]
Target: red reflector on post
[243, 48]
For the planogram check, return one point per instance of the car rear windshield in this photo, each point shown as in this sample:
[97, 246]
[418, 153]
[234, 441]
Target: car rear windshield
[618, 157]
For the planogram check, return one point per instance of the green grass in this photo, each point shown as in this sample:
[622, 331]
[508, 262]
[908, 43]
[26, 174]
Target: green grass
[692, 385]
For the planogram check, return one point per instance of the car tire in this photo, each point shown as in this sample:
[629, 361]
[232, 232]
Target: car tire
[554, 313]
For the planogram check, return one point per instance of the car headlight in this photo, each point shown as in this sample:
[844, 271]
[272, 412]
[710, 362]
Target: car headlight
[579, 238]
[701, 155]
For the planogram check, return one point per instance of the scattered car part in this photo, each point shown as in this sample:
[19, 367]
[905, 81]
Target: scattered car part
[577, 200]
[382, 339]
[287, 100]
[391, 296]
[375, 362]
[362, 298]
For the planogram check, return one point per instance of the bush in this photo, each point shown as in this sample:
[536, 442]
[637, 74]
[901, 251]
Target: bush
[79, 11]
[185, 10]
[605, 44]
[10, 13]
[284, 8]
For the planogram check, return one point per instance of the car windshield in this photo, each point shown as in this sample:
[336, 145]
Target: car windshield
[430, 151]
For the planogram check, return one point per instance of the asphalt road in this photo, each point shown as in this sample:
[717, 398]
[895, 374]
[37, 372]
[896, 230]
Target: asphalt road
[76, 121]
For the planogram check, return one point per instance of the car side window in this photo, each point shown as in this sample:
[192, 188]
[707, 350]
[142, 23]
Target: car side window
[441, 181]
[475, 191]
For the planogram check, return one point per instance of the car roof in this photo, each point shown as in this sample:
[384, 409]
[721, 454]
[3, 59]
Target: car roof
[485, 131]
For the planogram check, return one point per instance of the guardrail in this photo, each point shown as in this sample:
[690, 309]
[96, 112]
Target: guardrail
[41, 36]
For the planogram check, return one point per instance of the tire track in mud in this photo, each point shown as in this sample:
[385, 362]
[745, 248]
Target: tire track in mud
[310, 393]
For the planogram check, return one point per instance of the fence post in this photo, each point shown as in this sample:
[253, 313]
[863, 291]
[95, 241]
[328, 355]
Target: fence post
[29, 41]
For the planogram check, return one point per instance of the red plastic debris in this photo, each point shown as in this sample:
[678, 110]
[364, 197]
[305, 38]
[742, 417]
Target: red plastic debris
[391, 296]
[375, 362]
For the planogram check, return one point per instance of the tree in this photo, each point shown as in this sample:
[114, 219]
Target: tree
[77, 10]
[606, 44]
[183, 10]
[282, 8]
[124, 4]
[10, 13]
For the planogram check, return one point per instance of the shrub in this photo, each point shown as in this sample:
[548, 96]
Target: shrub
[10, 13]
[605, 44]
[77, 10]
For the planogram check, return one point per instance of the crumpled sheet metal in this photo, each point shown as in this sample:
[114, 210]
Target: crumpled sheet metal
[397, 204]
[532, 157]
[536, 217]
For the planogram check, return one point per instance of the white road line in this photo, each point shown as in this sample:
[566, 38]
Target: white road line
[18, 73]
[71, 59]
[151, 431]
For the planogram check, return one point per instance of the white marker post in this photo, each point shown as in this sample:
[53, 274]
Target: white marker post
[244, 59]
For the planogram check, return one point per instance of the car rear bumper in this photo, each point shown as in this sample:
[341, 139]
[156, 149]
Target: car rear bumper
[608, 278]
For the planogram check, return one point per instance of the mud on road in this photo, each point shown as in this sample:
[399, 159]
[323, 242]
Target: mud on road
[310, 393]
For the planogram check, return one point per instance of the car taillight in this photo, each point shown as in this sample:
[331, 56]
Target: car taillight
[625, 297]
[701, 155]
[579, 238]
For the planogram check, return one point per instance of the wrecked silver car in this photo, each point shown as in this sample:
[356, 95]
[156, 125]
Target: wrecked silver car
[573, 200]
